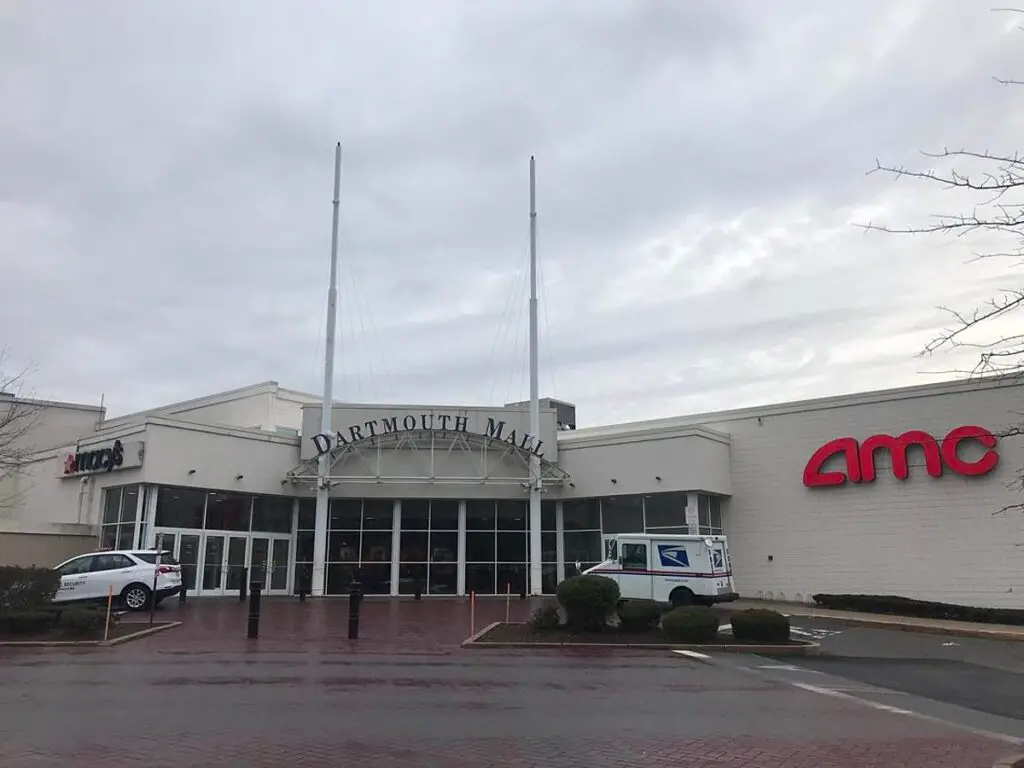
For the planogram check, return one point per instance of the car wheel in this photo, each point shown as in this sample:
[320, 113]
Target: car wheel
[136, 597]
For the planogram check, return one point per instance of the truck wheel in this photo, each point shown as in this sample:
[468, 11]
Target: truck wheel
[681, 597]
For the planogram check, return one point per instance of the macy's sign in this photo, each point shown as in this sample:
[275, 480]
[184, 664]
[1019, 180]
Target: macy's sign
[860, 458]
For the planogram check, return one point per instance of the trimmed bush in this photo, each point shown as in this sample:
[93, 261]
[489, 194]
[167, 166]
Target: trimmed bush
[921, 609]
[546, 618]
[638, 615]
[81, 622]
[759, 625]
[26, 589]
[26, 622]
[692, 624]
[588, 601]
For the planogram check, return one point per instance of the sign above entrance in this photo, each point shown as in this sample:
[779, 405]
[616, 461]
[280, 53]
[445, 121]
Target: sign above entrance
[860, 458]
[444, 424]
[93, 461]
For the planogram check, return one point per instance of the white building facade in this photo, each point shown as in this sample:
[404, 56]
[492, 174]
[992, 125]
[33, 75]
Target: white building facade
[891, 492]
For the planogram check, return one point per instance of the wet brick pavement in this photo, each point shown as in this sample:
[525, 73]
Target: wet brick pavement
[202, 695]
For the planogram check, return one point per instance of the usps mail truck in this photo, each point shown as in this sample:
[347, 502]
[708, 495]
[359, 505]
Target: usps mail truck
[681, 570]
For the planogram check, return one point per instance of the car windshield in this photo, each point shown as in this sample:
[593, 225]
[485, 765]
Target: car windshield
[166, 558]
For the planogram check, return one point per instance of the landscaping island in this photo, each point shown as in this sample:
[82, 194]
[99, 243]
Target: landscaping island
[29, 615]
[590, 612]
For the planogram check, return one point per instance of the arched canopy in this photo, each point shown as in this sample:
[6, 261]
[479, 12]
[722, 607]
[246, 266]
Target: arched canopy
[430, 456]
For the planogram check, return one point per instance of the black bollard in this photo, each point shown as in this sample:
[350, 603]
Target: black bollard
[305, 583]
[522, 590]
[355, 599]
[241, 586]
[419, 590]
[181, 594]
[253, 630]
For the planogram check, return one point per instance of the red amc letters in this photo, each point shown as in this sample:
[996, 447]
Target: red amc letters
[860, 459]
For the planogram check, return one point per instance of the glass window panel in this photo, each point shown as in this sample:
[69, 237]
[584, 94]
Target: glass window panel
[343, 546]
[547, 515]
[415, 514]
[480, 578]
[375, 578]
[227, 511]
[512, 515]
[180, 508]
[129, 503]
[307, 514]
[703, 513]
[126, 536]
[108, 537]
[511, 547]
[272, 514]
[413, 547]
[479, 547]
[634, 556]
[346, 515]
[444, 515]
[444, 546]
[673, 531]
[303, 570]
[378, 514]
[111, 505]
[480, 515]
[581, 515]
[376, 547]
[715, 511]
[663, 509]
[549, 578]
[411, 576]
[304, 546]
[548, 544]
[622, 514]
[444, 579]
[583, 545]
[339, 578]
[510, 578]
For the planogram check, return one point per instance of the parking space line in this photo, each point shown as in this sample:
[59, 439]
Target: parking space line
[694, 655]
[840, 694]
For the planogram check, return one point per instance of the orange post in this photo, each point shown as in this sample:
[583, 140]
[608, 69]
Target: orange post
[472, 613]
[508, 600]
[110, 603]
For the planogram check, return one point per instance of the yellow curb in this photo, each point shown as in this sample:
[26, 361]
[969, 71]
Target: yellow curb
[89, 643]
[929, 629]
[140, 634]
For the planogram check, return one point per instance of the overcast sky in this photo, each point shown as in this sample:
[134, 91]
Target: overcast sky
[165, 196]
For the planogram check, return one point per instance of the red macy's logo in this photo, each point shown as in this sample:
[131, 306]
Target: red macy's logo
[860, 459]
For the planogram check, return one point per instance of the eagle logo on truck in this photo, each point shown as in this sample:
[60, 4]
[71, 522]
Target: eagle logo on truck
[673, 556]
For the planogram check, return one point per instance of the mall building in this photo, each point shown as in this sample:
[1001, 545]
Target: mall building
[898, 491]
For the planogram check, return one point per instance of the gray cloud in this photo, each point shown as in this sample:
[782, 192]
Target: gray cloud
[166, 173]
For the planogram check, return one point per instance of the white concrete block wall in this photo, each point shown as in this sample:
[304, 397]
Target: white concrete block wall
[927, 538]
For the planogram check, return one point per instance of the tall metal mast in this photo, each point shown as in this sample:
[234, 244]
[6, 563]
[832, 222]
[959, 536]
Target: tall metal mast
[536, 570]
[323, 486]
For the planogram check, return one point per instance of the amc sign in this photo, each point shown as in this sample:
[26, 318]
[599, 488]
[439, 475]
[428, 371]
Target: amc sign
[938, 455]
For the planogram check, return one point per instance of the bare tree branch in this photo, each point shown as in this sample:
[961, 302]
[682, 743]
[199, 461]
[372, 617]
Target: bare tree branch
[18, 417]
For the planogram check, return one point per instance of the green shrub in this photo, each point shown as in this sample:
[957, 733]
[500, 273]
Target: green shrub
[638, 615]
[759, 625]
[922, 609]
[546, 618]
[691, 624]
[588, 601]
[82, 622]
[26, 589]
[26, 622]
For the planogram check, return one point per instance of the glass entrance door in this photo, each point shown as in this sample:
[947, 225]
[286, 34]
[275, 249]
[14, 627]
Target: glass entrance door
[234, 566]
[215, 563]
[259, 560]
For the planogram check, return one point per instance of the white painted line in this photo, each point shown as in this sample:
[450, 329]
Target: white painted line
[790, 668]
[693, 654]
[836, 694]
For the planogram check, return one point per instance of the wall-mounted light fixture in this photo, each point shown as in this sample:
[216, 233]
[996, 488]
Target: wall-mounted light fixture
[572, 485]
[191, 471]
[239, 477]
[658, 478]
[614, 481]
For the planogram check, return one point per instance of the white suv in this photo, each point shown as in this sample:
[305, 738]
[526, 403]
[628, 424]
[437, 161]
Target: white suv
[128, 573]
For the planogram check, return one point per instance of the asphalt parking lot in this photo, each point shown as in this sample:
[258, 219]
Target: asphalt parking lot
[974, 682]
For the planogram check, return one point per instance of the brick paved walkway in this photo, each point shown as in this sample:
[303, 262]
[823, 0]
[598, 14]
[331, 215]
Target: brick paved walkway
[386, 625]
